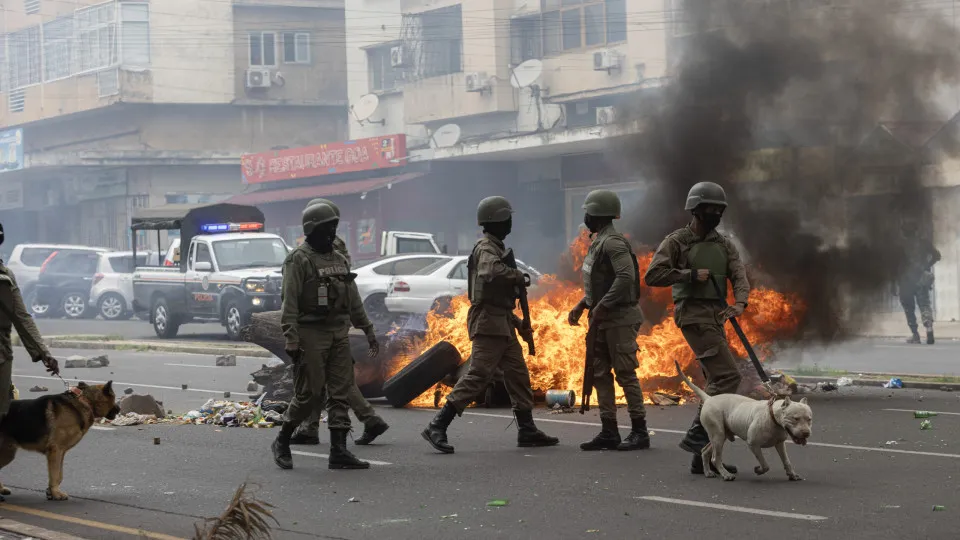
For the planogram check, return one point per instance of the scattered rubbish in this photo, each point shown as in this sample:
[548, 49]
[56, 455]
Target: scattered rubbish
[226, 360]
[664, 399]
[451, 516]
[946, 389]
[140, 404]
[353, 499]
[890, 443]
[133, 419]
[497, 502]
[938, 508]
[226, 394]
[845, 381]
[252, 386]
[890, 506]
[924, 414]
[827, 386]
[920, 398]
[156, 440]
[593, 530]
[128, 391]
[563, 398]
[894, 383]
[39, 389]
[926, 424]
[183, 387]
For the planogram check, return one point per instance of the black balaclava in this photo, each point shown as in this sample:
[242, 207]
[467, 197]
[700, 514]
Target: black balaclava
[499, 229]
[322, 237]
[1, 233]
[709, 216]
[596, 224]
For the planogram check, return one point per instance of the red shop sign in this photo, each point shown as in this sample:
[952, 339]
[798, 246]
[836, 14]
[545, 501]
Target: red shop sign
[334, 158]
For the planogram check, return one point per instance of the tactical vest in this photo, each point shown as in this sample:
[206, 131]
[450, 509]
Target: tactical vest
[710, 255]
[598, 274]
[324, 290]
[495, 293]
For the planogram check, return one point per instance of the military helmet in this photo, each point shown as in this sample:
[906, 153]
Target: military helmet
[602, 203]
[317, 214]
[493, 210]
[705, 193]
[327, 202]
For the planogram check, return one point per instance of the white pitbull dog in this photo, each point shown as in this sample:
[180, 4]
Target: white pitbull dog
[761, 424]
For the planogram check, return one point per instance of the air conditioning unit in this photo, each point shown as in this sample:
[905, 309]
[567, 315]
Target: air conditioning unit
[606, 60]
[398, 56]
[606, 115]
[477, 81]
[258, 78]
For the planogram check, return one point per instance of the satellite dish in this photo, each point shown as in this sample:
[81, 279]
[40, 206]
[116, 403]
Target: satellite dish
[365, 107]
[446, 135]
[526, 73]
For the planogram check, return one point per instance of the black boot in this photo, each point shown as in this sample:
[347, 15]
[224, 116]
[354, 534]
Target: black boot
[694, 441]
[340, 457]
[436, 432]
[915, 338]
[930, 340]
[372, 430]
[607, 439]
[639, 438]
[696, 466]
[281, 447]
[527, 433]
[304, 436]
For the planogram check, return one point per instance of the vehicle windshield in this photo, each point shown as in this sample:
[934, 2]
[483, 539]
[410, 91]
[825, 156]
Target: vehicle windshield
[415, 245]
[433, 267]
[249, 253]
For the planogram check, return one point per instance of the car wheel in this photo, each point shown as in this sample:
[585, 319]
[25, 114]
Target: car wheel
[165, 323]
[376, 308]
[112, 307]
[233, 320]
[422, 374]
[37, 309]
[73, 305]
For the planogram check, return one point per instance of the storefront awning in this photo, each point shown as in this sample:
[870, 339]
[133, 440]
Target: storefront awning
[320, 190]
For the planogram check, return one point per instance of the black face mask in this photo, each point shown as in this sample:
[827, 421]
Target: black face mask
[710, 221]
[500, 229]
[1, 233]
[321, 239]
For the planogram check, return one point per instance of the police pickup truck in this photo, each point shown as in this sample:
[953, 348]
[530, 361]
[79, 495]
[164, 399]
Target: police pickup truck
[230, 270]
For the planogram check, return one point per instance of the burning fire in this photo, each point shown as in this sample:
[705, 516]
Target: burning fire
[561, 347]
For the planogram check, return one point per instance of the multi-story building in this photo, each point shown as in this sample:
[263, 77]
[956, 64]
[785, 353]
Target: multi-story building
[110, 106]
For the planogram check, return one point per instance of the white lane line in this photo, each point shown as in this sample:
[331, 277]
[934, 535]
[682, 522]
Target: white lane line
[912, 410]
[825, 445]
[103, 428]
[157, 387]
[742, 509]
[327, 456]
[193, 365]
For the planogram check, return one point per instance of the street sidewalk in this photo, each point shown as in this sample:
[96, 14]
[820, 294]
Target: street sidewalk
[16, 530]
[889, 328]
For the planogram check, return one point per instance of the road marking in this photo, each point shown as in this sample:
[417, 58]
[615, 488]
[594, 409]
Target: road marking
[140, 533]
[742, 509]
[681, 432]
[142, 385]
[327, 456]
[103, 428]
[912, 410]
[192, 365]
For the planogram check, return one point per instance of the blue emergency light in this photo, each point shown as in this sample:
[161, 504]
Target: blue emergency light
[231, 227]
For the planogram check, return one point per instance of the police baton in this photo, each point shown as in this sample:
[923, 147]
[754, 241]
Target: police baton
[741, 335]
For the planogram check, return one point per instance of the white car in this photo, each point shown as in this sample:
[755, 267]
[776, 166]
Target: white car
[373, 279]
[112, 292]
[26, 260]
[435, 285]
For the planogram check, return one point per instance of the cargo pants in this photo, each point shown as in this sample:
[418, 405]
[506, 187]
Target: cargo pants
[709, 343]
[325, 369]
[490, 353]
[615, 356]
[360, 406]
[914, 297]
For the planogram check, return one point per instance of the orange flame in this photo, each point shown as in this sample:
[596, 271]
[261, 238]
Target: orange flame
[561, 347]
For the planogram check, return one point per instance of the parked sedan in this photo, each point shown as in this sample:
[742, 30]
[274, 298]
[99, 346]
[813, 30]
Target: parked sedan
[112, 293]
[26, 260]
[63, 286]
[435, 285]
[373, 279]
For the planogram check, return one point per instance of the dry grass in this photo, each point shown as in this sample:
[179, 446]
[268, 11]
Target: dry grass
[246, 517]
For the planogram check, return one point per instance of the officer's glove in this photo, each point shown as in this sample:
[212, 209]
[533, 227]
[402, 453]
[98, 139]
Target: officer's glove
[373, 345]
[733, 311]
[49, 362]
[573, 318]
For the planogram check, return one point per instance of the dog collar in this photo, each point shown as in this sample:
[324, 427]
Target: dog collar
[78, 393]
[770, 410]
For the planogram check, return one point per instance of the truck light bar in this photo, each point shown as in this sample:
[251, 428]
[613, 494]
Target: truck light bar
[231, 227]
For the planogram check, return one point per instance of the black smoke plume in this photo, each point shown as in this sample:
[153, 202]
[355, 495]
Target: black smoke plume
[848, 92]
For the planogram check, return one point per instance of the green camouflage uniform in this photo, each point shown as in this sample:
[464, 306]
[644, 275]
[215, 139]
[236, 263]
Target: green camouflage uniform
[11, 299]
[322, 334]
[916, 282]
[611, 279]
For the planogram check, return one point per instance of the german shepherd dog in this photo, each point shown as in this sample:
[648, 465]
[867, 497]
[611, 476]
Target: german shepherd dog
[52, 425]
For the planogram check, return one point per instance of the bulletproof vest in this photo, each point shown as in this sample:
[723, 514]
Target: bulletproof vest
[598, 272]
[710, 255]
[324, 290]
[494, 293]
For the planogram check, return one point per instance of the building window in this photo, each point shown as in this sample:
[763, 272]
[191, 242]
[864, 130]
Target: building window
[57, 42]
[296, 48]
[24, 52]
[442, 41]
[525, 39]
[263, 49]
[96, 32]
[135, 34]
[16, 101]
[575, 24]
[31, 6]
[383, 76]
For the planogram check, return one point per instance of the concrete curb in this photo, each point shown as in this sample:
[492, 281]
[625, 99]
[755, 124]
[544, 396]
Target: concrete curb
[35, 532]
[920, 385]
[54, 342]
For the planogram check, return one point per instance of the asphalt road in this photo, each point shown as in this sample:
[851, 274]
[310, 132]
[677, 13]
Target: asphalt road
[870, 473]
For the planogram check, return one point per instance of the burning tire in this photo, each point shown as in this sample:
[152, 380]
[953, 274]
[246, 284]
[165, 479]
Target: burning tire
[422, 374]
